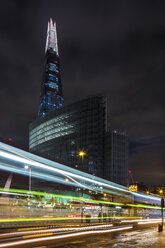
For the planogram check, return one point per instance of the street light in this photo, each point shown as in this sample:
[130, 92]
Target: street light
[82, 154]
[160, 191]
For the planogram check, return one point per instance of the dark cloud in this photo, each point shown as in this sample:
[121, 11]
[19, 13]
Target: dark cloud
[116, 48]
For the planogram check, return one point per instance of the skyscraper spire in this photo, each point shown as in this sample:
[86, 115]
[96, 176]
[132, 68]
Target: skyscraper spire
[51, 97]
[51, 41]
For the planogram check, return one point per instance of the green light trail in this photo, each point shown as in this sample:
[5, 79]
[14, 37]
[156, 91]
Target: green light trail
[71, 198]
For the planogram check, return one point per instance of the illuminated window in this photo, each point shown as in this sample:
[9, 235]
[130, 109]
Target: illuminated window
[52, 67]
[52, 85]
[51, 77]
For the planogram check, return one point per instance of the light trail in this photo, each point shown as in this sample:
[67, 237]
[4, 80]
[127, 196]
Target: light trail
[86, 200]
[155, 198]
[26, 160]
[127, 221]
[149, 222]
[143, 206]
[49, 168]
[64, 236]
[60, 218]
[37, 235]
[30, 228]
[43, 227]
[142, 220]
[10, 193]
[150, 219]
[53, 230]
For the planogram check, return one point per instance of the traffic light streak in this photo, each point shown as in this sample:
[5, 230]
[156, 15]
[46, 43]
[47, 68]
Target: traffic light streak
[74, 198]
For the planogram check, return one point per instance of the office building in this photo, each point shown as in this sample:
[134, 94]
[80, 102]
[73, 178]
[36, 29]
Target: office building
[116, 157]
[62, 132]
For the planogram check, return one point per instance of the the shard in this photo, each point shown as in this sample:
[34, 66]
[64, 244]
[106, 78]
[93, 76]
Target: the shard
[51, 97]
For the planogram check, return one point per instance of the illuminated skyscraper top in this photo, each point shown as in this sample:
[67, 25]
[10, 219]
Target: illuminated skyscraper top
[51, 97]
[51, 41]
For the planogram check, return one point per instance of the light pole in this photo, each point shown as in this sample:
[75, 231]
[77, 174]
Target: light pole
[30, 175]
[81, 155]
[160, 226]
[162, 206]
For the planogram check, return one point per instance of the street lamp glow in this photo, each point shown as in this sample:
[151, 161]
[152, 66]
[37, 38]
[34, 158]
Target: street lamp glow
[81, 153]
[26, 167]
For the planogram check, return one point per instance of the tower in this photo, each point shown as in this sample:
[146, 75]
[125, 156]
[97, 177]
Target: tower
[66, 130]
[51, 96]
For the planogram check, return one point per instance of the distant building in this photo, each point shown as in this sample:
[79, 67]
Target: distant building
[51, 97]
[116, 157]
[61, 132]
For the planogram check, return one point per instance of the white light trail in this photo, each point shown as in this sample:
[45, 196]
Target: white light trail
[148, 222]
[31, 162]
[146, 196]
[10, 193]
[127, 221]
[40, 165]
[43, 239]
[141, 220]
[150, 219]
[53, 230]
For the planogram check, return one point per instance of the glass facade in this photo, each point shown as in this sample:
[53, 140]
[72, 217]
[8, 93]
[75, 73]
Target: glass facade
[62, 132]
[116, 157]
[66, 131]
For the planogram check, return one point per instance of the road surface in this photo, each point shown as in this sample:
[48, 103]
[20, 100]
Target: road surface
[92, 236]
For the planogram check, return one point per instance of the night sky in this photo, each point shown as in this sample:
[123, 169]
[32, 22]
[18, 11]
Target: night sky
[113, 48]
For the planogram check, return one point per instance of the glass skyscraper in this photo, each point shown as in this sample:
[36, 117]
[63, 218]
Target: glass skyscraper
[116, 157]
[51, 97]
[61, 132]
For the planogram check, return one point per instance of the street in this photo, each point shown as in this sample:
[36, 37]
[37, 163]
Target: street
[86, 236]
[133, 239]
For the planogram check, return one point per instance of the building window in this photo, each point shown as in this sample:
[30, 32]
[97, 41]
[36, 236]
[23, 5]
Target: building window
[52, 85]
[51, 77]
[72, 142]
[52, 67]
